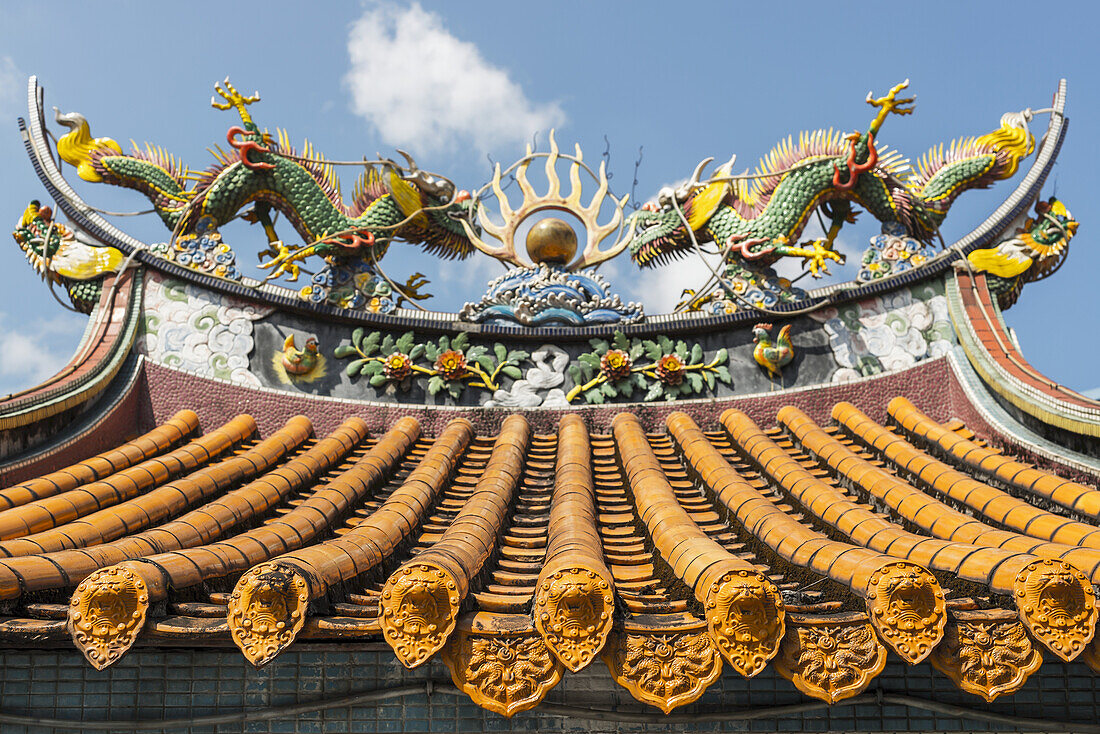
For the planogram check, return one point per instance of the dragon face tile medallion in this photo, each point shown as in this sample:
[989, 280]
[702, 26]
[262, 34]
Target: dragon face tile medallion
[106, 613]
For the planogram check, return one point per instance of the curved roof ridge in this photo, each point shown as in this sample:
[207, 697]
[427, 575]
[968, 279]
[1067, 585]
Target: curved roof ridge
[84, 217]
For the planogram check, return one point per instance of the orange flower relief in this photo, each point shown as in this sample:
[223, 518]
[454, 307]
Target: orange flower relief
[451, 365]
[670, 369]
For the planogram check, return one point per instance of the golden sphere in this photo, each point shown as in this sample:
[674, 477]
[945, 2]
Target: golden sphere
[551, 241]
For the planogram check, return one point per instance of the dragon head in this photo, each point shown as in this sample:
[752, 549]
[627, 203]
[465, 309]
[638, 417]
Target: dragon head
[54, 252]
[658, 232]
[659, 229]
[445, 215]
[434, 207]
[1034, 252]
[38, 235]
[1051, 230]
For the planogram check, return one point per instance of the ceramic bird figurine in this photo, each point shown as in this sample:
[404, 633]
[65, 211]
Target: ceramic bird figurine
[299, 361]
[772, 356]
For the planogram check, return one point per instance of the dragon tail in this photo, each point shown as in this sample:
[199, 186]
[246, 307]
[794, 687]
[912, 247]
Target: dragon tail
[152, 171]
[1012, 142]
[967, 163]
[77, 146]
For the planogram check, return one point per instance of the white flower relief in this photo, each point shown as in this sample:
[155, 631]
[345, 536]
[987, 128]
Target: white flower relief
[548, 374]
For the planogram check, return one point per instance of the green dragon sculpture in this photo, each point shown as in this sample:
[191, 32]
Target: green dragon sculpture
[1034, 252]
[54, 252]
[388, 202]
[756, 223]
[754, 220]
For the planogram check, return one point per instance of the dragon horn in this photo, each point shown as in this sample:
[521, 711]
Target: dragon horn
[409, 159]
[684, 190]
[725, 168]
[693, 182]
[434, 184]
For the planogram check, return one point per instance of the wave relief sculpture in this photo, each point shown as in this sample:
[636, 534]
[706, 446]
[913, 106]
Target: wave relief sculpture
[549, 295]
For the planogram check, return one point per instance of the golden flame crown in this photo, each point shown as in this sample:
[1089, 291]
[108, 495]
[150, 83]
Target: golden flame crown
[596, 233]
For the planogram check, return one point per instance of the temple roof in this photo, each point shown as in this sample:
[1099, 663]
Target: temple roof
[228, 462]
[726, 541]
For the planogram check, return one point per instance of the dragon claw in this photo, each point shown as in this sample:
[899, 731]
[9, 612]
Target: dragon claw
[891, 100]
[283, 260]
[890, 104]
[816, 257]
[816, 260]
[233, 99]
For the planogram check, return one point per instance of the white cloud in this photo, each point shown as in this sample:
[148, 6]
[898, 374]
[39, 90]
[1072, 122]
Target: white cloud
[32, 350]
[420, 86]
[11, 85]
[659, 289]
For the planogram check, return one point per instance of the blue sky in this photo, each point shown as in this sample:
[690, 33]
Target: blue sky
[454, 83]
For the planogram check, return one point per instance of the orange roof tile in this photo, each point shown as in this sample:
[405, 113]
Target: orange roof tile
[743, 545]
